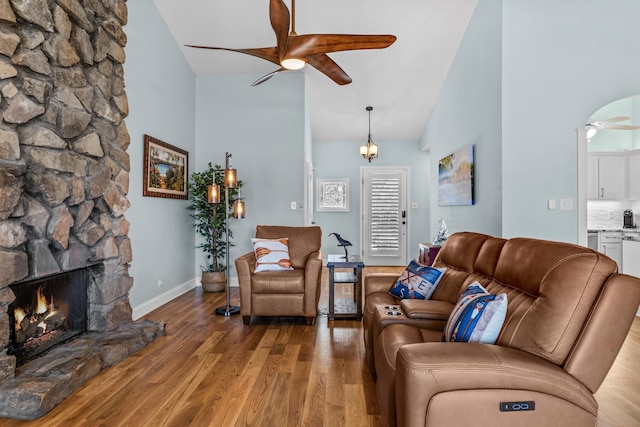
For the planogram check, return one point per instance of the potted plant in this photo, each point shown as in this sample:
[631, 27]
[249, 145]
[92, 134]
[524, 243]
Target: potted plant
[210, 224]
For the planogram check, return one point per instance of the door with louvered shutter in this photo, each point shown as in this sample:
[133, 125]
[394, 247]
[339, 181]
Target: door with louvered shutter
[384, 215]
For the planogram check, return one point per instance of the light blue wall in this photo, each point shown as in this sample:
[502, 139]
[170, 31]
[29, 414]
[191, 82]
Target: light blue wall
[161, 91]
[468, 111]
[522, 81]
[635, 119]
[561, 62]
[263, 127]
[343, 160]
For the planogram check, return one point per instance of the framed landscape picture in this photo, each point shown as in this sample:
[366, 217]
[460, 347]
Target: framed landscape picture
[456, 178]
[165, 170]
[332, 195]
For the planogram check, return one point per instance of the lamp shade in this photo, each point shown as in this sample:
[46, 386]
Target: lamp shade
[230, 178]
[238, 208]
[373, 150]
[213, 193]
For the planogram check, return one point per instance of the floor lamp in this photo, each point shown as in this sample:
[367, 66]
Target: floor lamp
[230, 181]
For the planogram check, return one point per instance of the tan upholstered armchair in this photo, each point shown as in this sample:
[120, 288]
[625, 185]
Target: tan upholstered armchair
[283, 293]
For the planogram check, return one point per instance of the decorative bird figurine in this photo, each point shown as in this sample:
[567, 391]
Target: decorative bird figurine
[344, 243]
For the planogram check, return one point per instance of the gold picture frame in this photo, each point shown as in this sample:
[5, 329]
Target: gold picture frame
[165, 170]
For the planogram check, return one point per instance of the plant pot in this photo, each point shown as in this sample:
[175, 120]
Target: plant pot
[213, 281]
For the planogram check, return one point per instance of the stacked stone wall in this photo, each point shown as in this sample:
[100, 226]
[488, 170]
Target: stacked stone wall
[64, 167]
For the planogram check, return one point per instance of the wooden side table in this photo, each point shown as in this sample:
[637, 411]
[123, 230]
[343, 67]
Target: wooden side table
[353, 263]
[427, 253]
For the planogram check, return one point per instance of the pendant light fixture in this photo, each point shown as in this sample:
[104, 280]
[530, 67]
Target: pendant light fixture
[370, 150]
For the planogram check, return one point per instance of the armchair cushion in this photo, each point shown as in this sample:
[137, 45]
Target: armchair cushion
[278, 282]
[271, 254]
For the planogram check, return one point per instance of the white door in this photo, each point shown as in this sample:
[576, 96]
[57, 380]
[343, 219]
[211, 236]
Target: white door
[385, 217]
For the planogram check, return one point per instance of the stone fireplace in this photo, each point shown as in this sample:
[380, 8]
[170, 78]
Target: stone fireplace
[64, 177]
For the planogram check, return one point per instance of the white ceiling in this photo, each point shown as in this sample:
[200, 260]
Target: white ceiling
[401, 82]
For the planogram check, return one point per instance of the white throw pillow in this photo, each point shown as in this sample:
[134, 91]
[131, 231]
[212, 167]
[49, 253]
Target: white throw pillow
[271, 254]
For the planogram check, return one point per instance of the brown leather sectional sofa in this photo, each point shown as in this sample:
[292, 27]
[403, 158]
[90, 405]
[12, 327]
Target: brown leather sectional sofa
[568, 314]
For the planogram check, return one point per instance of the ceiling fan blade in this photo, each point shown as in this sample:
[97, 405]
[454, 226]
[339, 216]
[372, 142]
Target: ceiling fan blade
[280, 18]
[328, 67]
[268, 53]
[267, 77]
[314, 44]
[621, 127]
[615, 119]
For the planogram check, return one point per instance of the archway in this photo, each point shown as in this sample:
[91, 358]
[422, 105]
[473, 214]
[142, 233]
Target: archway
[611, 133]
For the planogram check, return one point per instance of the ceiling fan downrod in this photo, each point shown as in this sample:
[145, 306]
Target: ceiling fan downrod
[293, 18]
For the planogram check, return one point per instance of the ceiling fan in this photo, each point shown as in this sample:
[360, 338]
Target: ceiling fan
[608, 124]
[293, 51]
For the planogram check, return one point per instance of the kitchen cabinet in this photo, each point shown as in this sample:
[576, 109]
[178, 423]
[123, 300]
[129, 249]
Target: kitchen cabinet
[607, 176]
[631, 257]
[610, 244]
[634, 176]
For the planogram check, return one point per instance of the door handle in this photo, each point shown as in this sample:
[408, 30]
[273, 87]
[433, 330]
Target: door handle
[601, 191]
[404, 216]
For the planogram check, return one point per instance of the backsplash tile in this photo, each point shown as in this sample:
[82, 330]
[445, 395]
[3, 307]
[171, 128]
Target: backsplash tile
[607, 214]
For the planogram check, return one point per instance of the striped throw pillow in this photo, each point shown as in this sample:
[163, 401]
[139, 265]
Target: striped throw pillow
[271, 254]
[477, 316]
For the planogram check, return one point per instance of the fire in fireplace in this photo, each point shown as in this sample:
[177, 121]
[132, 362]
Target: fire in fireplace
[45, 318]
[47, 311]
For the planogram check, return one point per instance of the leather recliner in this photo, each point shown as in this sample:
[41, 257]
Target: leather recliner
[283, 293]
[568, 314]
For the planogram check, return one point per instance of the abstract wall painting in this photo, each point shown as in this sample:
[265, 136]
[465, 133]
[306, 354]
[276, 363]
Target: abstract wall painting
[456, 178]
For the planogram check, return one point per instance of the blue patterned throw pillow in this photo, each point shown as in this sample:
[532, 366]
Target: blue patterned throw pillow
[477, 316]
[417, 281]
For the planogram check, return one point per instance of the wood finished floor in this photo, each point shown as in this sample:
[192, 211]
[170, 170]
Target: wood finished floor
[214, 371]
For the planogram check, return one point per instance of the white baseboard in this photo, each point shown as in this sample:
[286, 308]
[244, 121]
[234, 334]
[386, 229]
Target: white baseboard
[152, 304]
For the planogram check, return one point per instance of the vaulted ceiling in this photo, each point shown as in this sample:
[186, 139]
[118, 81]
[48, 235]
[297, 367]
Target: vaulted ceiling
[401, 82]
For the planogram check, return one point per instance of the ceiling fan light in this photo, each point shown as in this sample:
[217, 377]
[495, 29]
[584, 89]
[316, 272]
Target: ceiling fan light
[591, 132]
[293, 63]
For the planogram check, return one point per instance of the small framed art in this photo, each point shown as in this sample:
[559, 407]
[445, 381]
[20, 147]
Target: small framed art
[332, 195]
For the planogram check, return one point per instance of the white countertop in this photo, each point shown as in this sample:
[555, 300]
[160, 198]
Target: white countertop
[624, 230]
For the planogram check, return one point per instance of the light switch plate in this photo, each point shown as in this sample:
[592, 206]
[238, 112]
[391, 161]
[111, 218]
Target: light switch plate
[566, 204]
[294, 206]
[551, 204]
